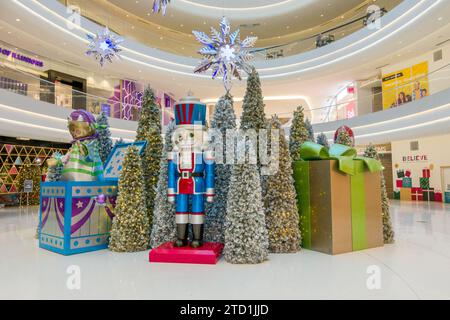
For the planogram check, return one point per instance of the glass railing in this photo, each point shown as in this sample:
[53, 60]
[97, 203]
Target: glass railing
[65, 96]
[361, 98]
[281, 43]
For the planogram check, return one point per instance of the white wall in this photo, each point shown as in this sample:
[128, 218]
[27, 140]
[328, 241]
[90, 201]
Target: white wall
[437, 152]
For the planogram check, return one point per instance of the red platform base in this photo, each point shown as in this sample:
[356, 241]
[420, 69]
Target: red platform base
[209, 253]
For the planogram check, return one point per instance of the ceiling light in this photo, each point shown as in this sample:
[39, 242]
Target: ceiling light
[23, 139]
[18, 20]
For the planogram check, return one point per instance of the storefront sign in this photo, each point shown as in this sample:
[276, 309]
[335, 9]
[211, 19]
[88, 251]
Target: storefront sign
[415, 158]
[17, 56]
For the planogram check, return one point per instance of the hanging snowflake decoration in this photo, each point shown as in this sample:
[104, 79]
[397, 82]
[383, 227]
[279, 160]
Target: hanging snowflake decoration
[225, 53]
[160, 5]
[104, 46]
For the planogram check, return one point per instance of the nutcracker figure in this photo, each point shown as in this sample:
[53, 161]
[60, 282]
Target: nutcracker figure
[191, 171]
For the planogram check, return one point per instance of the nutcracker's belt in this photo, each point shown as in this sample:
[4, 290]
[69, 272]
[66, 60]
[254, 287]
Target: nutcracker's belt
[187, 175]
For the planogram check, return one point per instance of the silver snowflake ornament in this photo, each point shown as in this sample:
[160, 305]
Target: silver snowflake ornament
[160, 5]
[104, 46]
[225, 53]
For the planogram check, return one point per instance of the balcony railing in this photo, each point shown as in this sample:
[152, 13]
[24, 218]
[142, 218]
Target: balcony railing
[352, 105]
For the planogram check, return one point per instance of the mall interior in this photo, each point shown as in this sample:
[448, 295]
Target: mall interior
[336, 222]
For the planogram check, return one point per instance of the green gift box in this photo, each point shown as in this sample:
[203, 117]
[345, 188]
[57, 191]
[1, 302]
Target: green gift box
[396, 195]
[425, 183]
[339, 199]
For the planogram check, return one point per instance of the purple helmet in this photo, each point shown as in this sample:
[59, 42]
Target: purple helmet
[82, 116]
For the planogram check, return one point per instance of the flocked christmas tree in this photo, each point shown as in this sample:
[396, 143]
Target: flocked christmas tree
[299, 134]
[224, 119]
[388, 232]
[149, 129]
[310, 130]
[54, 173]
[105, 143]
[246, 240]
[323, 140]
[280, 202]
[253, 116]
[344, 138]
[130, 228]
[164, 227]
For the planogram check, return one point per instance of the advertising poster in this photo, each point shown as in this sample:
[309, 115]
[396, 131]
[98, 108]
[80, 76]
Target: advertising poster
[405, 85]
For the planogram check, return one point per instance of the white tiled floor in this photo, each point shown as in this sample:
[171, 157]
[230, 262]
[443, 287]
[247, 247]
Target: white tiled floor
[416, 267]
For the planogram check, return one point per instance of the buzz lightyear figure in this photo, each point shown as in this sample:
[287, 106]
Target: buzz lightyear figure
[82, 162]
[191, 171]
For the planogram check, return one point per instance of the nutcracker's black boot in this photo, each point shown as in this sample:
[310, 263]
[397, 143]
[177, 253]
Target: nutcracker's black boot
[181, 236]
[197, 230]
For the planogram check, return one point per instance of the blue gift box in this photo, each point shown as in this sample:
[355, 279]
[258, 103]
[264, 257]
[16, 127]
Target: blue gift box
[447, 197]
[76, 217]
[407, 182]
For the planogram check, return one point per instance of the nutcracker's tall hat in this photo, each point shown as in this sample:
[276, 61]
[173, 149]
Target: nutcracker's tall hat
[190, 111]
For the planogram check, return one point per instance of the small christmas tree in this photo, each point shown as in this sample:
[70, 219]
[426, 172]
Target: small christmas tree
[130, 228]
[246, 240]
[323, 140]
[344, 138]
[388, 232]
[224, 119]
[299, 134]
[253, 116]
[164, 226]
[149, 129]
[104, 137]
[120, 141]
[310, 130]
[280, 203]
[54, 173]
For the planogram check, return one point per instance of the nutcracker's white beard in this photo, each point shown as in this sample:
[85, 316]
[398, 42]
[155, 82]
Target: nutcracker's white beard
[186, 157]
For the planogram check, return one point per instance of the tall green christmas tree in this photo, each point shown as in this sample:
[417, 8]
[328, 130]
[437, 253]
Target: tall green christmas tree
[388, 232]
[323, 140]
[299, 134]
[149, 129]
[310, 130]
[130, 228]
[164, 226]
[246, 240]
[253, 116]
[105, 143]
[223, 120]
[280, 203]
[344, 139]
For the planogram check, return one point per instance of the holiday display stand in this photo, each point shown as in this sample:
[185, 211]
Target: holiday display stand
[76, 216]
[339, 199]
[209, 253]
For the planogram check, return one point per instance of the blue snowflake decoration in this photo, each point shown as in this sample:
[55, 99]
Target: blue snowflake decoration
[225, 53]
[104, 46]
[160, 5]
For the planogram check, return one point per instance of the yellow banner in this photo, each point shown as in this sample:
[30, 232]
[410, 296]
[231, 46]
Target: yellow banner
[405, 85]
